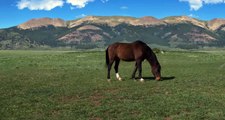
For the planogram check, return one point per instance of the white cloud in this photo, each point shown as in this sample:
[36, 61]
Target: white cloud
[213, 1]
[81, 16]
[124, 7]
[193, 16]
[39, 4]
[79, 3]
[197, 4]
[51, 4]
[72, 8]
[104, 1]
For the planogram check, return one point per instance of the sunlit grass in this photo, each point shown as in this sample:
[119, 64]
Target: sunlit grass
[73, 85]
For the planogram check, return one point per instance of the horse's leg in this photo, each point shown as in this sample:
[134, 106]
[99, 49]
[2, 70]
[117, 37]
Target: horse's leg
[117, 62]
[139, 66]
[109, 68]
[134, 72]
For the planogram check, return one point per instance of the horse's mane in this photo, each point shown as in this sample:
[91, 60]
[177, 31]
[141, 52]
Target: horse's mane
[151, 53]
[140, 42]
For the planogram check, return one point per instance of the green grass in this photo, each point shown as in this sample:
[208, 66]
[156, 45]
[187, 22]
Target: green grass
[73, 85]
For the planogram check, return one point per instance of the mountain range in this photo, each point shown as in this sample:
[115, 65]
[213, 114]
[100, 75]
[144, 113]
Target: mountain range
[99, 31]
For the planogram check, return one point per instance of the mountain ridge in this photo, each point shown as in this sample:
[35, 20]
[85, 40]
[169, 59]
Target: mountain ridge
[100, 31]
[39, 22]
[116, 20]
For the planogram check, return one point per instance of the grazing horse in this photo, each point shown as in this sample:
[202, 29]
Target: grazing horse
[137, 51]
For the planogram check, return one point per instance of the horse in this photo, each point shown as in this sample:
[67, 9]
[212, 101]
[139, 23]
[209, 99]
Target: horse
[137, 51]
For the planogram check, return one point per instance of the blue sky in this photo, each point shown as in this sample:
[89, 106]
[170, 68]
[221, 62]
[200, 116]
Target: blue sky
[14, 12]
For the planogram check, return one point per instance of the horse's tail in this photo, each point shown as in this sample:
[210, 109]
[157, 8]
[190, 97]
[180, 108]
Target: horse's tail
[107, 57]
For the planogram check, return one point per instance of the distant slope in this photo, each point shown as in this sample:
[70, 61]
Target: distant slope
[95, 31]
[42, 22]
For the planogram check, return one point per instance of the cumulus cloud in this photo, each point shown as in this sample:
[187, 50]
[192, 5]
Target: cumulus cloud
[51, 4]
[39, 4]
[79, 3]
[197, 4]
[213, 1]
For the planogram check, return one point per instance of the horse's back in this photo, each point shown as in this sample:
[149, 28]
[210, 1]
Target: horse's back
[128, 51]
[121, 51]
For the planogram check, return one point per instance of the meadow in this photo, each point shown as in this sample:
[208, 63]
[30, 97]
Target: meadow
[68, 85]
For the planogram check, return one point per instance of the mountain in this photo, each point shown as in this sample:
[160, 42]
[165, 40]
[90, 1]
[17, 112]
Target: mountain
[116, 20]
[185, 19]
[216, 24]
[35, 23]
[100, 31]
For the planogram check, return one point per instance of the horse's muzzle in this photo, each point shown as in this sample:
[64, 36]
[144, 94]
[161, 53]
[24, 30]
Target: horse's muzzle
[158, 78]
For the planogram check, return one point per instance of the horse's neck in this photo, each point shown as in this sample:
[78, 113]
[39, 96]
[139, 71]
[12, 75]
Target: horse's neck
[152, 59]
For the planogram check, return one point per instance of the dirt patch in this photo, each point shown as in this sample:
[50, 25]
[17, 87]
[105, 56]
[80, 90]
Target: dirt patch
[96, 98]
[95, 118]
[112, 90]
[98, 95]
[167, 118]
[69, 99]
[55, 113]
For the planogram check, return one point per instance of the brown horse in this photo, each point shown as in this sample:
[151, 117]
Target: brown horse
[137, 51]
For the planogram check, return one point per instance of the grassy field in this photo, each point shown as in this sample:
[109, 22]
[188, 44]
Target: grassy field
[73, 85]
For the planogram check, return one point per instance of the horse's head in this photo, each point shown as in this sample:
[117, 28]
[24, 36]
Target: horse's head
[156, 71]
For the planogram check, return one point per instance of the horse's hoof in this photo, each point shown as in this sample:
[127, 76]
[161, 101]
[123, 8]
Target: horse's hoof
[109, 80]
[119, 78]
[142, 80]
